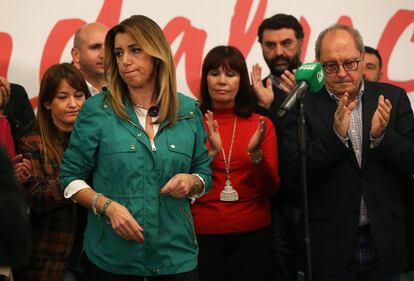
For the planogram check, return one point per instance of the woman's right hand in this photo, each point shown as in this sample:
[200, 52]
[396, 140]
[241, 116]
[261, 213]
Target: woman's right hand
[22, 168]
[213, 135]
[124, 223]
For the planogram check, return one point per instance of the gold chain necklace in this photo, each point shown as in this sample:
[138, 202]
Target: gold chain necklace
[229, 193]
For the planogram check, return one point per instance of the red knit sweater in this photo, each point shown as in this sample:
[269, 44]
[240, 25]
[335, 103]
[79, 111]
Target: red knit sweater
[254, 183]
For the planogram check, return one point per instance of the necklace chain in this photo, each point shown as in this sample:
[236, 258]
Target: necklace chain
[141, 106]
[227, 161]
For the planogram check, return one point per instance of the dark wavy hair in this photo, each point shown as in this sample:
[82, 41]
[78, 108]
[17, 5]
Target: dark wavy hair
[280, 21]
[230, 58]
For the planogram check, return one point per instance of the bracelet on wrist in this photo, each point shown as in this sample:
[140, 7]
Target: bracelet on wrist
[94, 200]
[105, 206]
[195, 189]
[103, 213]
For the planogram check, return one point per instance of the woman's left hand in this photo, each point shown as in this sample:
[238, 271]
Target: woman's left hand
[257, 138]
[178, 186]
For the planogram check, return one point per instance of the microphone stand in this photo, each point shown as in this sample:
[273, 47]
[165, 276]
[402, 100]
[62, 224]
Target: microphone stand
[303, 179]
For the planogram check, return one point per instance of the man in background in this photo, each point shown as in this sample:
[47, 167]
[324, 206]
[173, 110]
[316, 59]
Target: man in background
[88, 55]
[373, 64]
[280, 38]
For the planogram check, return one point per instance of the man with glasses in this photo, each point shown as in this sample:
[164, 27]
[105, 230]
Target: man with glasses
[355, 129]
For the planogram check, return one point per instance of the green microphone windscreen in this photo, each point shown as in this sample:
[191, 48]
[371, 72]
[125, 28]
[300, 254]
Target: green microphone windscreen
[313, 74]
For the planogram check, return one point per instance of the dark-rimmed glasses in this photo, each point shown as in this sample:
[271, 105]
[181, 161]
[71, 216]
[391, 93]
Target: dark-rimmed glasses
[333, 67]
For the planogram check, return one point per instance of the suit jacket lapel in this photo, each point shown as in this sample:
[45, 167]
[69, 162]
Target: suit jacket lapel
[369, 105]
[326, 107]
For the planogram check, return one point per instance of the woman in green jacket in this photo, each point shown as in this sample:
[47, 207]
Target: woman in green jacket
[142, 144]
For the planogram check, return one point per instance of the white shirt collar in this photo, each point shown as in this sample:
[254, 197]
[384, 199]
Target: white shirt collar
[92, 89]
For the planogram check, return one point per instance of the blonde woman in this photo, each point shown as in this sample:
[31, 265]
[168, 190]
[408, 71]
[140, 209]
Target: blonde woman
[144, 146]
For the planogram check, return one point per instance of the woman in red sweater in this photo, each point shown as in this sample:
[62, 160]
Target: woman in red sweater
[232, 221]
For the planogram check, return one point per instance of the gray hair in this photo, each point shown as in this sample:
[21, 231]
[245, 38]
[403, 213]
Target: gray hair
[352, 31]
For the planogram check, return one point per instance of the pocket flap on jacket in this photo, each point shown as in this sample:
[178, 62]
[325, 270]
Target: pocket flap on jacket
[118, 148]
[180, 147]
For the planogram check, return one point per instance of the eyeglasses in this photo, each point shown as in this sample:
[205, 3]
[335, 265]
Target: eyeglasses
[333, 67]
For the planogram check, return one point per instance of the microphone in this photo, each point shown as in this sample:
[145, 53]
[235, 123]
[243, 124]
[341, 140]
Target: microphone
[309, 77]
[153, 111]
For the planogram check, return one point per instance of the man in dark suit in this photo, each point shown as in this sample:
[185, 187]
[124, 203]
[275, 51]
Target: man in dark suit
[403, 158]
[281, 38]
[373, 72]
[356, 213]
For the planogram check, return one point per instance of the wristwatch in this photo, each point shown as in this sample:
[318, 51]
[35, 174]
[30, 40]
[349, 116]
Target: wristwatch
[195, 188]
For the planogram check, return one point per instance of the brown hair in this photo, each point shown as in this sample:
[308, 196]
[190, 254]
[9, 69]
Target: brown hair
[49, 133]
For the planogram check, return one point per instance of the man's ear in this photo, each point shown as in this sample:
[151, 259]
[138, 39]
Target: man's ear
[75, 57]
[300, 46]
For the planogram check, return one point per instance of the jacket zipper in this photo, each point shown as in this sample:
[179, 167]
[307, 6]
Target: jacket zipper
[191, 226]
[153, 147]
[152, 142]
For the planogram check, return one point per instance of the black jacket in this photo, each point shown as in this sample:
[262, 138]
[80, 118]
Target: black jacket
[336, 182]
[19, 112]
[15, 231]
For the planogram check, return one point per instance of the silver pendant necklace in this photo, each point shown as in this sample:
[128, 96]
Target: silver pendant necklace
[228, 193]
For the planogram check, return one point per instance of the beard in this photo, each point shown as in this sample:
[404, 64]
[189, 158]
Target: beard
[279, 64]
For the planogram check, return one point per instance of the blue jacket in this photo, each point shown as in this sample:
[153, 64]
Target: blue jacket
[117, 154]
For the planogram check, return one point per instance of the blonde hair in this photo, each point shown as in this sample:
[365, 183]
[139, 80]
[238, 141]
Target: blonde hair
[151, 39]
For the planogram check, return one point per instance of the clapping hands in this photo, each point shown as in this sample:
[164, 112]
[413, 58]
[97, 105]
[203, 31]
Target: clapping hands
[213, 135]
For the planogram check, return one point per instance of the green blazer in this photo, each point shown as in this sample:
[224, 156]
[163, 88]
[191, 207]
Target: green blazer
[118, 156]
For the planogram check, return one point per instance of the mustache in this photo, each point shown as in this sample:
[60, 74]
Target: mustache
[280, 58]
[343, 80]
[288, 63]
